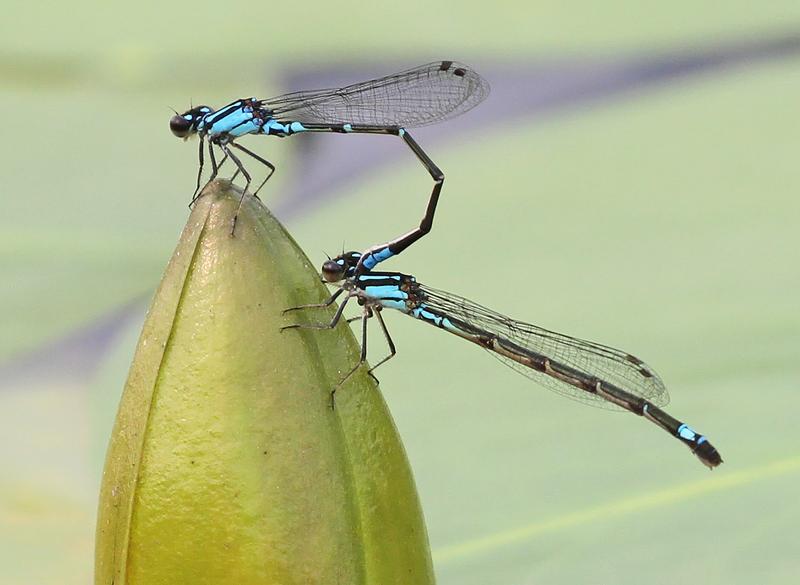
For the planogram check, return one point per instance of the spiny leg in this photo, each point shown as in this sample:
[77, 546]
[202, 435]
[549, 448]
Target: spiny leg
[248, 179]
[214, 165]
[199, 172]
[330, 325]
[327, 303]
[259, 159]
[362, 358]
[214, 168]
[392, 349]
[222, 162]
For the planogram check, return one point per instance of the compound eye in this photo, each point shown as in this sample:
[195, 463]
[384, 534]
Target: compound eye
[180, 126]
[332, 271]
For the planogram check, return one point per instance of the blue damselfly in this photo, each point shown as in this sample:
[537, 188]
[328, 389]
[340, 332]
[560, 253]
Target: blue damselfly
[583, 370]
[417, 97]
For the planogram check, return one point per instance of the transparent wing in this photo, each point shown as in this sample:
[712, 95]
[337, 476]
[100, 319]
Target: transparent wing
[593, 360]
[423, 95]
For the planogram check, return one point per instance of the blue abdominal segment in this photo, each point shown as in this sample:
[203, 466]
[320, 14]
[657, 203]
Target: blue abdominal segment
[685, 432]
[423, 313]
[275, 128]
[372, 259]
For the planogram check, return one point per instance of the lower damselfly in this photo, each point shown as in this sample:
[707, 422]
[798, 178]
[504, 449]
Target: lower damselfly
[389, 105]
[583, 370]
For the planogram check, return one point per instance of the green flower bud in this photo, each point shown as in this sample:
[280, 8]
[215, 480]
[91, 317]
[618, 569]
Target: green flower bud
[227, 464]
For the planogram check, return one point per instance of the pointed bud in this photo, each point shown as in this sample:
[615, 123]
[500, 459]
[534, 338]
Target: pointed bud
[227, 464]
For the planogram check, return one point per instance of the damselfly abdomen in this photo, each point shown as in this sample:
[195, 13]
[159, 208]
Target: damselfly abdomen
[389, 105]
[583, 370]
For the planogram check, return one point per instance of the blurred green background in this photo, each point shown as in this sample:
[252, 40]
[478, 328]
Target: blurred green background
[662, 220]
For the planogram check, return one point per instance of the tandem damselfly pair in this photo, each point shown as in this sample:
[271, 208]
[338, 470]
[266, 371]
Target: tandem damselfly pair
[583, 370]
[389, 105]
[428, 94]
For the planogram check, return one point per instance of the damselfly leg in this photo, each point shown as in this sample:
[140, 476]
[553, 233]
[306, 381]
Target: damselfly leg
[248, 180]
[327, 303]
[263, 161]
[390, 343]
[329, 325]
[239, 169]
[199, 170]
[215, 168]
[365, 315]
[369, 310]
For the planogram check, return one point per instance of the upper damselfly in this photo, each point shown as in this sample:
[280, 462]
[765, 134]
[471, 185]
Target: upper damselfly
[583, 370]
[389, 105]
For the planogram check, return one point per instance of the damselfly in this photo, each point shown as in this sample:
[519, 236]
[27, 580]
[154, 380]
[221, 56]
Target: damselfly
[587, 371]
[417, 97]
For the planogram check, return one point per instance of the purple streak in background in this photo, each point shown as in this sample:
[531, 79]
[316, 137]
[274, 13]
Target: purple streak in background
[75, 357]
[521, 92]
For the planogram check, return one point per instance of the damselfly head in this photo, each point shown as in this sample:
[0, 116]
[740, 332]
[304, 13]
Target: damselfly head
[184, 125]
[343, 266]
[332, 271]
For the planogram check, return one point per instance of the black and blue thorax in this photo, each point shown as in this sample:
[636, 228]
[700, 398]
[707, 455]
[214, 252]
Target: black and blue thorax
[402, 292]
[245, 116]
[391, 290]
